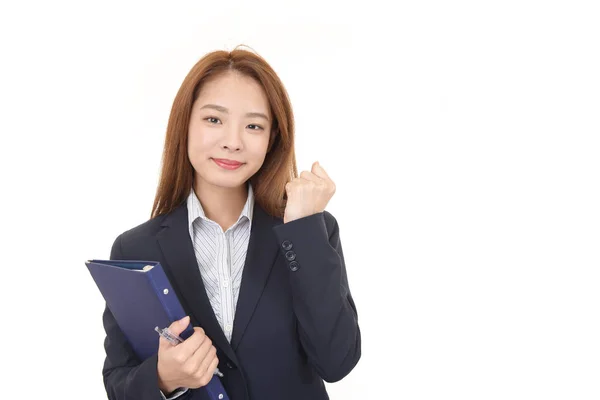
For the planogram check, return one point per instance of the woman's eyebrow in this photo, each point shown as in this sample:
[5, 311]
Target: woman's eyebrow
[226, 111]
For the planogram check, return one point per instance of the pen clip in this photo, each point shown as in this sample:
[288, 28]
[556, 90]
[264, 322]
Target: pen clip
[172, 338]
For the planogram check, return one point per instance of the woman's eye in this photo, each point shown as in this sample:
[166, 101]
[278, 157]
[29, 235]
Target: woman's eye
[255, 127]
[213, 120]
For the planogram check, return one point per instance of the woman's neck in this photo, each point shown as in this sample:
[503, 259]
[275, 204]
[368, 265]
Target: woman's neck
[220, 204]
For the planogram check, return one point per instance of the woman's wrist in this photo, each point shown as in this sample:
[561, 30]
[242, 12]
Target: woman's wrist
[165, 386]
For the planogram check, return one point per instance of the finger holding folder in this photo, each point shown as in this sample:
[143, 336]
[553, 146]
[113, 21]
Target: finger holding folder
[190, 364]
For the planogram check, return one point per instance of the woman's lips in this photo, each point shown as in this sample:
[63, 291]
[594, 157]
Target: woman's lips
[227, 164]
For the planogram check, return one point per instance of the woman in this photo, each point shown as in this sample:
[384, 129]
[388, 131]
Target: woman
[247, 245]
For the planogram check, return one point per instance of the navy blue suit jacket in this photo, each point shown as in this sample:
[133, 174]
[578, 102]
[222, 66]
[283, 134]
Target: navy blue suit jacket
[295, 324]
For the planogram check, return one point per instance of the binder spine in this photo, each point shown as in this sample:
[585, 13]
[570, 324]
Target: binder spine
[166, 294]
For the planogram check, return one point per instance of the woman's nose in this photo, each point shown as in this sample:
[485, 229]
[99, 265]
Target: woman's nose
[233, 139]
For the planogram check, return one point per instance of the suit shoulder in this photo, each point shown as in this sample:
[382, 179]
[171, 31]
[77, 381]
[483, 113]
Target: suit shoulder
[139, 232]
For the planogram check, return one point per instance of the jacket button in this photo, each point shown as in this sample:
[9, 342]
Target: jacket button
[294, 266]
[290, 255]
[287, 245]
[229, 365]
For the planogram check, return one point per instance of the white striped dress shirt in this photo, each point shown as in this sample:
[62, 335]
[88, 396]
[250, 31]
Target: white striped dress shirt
[221, 257]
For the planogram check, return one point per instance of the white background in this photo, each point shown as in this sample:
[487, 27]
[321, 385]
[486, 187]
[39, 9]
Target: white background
[463, 138]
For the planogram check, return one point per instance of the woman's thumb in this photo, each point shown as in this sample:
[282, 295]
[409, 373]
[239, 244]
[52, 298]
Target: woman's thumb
[179, 326]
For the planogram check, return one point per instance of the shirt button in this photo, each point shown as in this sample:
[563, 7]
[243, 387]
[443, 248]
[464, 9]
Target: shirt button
[294, 266]
[228, 327]
[225, 282]
[290, 255]
[287, 245]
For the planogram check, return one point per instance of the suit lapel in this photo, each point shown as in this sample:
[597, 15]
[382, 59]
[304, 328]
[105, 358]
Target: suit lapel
[262, 249]
[178, 251]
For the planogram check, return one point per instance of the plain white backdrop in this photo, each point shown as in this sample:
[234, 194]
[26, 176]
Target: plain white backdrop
[463, 138]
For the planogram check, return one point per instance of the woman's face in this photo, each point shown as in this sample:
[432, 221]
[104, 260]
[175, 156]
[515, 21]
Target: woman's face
[229, 131]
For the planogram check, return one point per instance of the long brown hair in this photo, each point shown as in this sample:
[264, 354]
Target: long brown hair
[279, 167]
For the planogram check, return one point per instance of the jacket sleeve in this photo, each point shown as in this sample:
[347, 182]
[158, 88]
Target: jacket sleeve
[125, 377]
[326, 313]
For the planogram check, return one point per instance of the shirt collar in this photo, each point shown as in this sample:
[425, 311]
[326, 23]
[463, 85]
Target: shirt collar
[196, 211]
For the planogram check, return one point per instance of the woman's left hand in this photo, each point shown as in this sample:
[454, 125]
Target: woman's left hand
[308, 194]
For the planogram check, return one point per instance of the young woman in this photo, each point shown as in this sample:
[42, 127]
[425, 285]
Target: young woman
[255, 259]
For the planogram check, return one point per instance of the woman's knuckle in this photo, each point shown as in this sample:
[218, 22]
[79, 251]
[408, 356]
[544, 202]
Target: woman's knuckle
[189, 370]
[179, 359]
